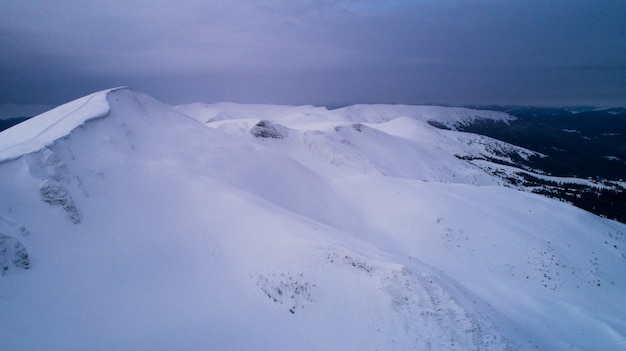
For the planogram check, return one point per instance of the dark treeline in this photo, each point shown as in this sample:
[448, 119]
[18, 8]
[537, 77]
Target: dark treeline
[578, 142]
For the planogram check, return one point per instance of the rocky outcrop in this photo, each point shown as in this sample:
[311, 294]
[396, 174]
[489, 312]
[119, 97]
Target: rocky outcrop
[12, 254]
[267, 129]
[55, 194]
[57, 182]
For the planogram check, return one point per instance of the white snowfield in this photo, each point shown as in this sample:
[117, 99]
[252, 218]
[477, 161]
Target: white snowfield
[36, 133]
[261, 227]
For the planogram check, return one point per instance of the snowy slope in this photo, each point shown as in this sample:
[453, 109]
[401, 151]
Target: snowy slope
[37, 133]
[392, 140]
[290, 228]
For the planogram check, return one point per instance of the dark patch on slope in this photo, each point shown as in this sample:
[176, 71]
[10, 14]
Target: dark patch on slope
[267, 129]
[12, 253]
[577, 144]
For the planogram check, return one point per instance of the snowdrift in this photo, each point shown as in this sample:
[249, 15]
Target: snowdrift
[227, 226]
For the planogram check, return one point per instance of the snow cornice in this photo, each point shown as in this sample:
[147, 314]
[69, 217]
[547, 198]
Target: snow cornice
[43, 130]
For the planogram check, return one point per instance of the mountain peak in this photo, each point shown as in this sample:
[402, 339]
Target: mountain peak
[42, 130]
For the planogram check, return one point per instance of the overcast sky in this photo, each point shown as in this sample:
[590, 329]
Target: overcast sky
[537, 52]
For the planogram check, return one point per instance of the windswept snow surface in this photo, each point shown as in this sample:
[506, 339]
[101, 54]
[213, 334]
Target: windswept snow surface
[350, 229]
[36, 133]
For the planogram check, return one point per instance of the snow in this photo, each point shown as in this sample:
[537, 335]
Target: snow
[359, 229]
[36, 133]
[447, 116]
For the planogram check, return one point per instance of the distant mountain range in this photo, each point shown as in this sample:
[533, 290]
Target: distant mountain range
[12, 114]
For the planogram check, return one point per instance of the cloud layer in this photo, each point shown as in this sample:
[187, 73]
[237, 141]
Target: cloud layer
[321, 52]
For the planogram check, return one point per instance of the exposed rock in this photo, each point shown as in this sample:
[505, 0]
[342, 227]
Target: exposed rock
[267, 129]
[287, 289]
[12, 253]
[57, 195]
[357, 126]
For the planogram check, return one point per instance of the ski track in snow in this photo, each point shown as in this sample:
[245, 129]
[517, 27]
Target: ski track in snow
[231, 226]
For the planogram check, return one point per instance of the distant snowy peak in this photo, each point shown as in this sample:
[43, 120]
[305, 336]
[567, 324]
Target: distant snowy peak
[449, 117]
[396, 140]
[220, 111]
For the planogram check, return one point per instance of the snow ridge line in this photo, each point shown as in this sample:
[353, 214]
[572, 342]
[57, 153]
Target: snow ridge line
[91, 97]
[43, 130]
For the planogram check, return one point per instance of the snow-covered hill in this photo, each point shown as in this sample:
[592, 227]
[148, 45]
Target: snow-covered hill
[129, 224]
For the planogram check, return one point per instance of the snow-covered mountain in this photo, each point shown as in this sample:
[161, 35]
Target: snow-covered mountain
[130, 224]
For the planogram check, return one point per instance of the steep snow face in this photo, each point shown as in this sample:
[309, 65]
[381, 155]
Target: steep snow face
[36, 133]
[152, 230]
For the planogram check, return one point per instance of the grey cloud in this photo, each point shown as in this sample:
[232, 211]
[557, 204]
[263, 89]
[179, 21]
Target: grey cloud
[298, 51]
